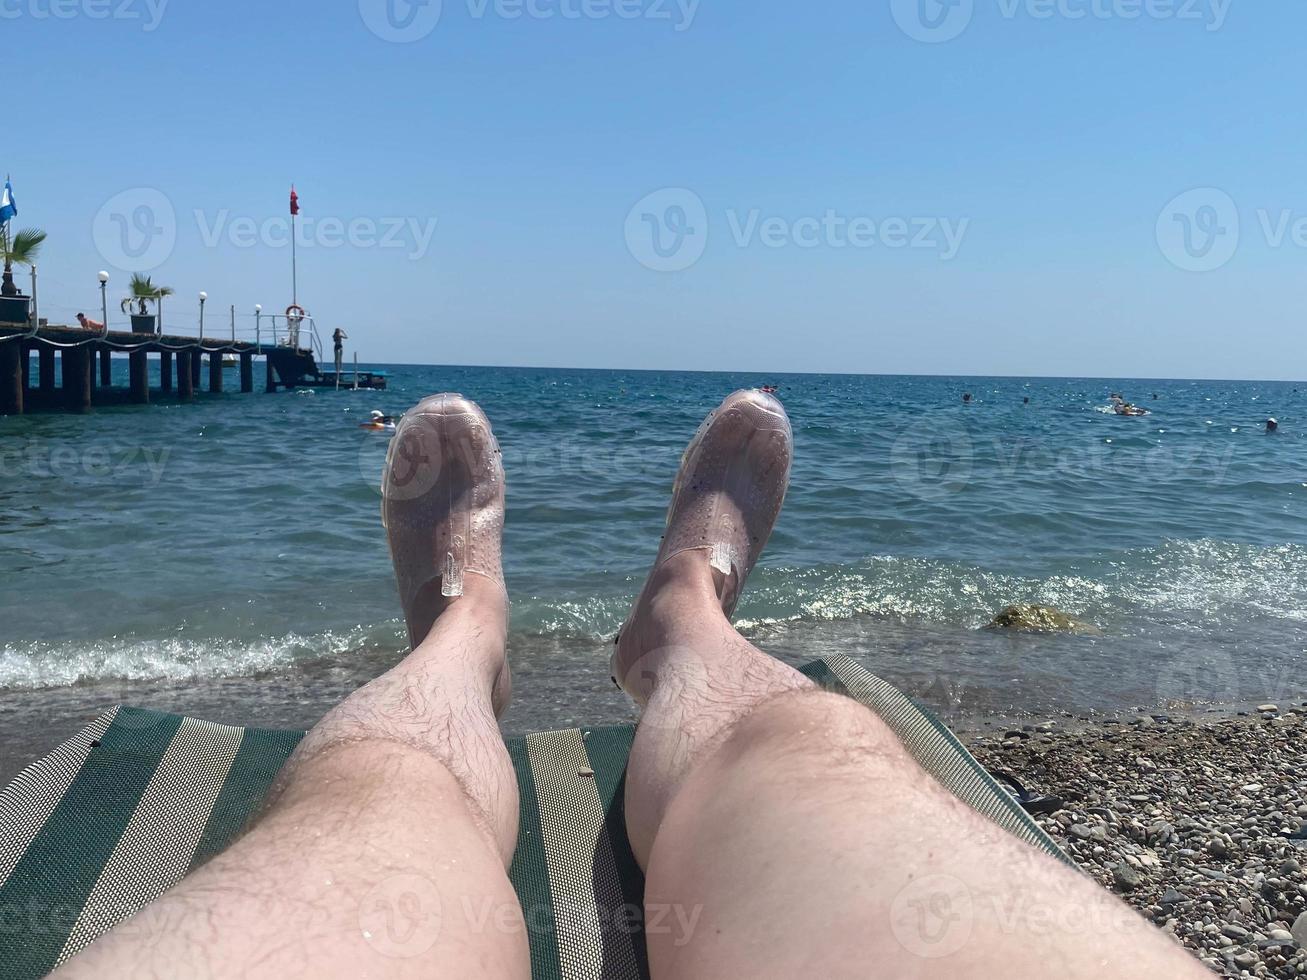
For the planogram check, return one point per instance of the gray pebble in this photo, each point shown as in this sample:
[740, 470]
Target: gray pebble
[1299, 930]
[1127, 878]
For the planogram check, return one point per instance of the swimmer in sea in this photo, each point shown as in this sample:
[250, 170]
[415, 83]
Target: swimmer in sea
[1272, 425]
[1123, 407]
[379, 420]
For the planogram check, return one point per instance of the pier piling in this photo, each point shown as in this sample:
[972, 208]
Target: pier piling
[247, 372]
[270, 384]
[12, 361]
[77, 378]
[45, 370]
[106, 367]
[185, 382]
[195, 369]
[140, 378]
[165, 371]
[215, 373]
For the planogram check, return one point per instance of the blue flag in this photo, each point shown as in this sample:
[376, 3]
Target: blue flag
[8, 209]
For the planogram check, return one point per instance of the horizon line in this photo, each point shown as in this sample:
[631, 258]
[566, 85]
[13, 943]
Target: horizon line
[834, 374]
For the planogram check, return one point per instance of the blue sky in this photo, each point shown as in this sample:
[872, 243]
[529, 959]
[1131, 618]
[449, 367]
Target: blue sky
[1014, 194]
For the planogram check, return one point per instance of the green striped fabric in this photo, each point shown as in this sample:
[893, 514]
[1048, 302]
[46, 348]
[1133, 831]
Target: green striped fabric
[124, 810]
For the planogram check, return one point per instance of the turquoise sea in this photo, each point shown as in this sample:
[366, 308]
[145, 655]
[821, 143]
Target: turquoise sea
[232, 549]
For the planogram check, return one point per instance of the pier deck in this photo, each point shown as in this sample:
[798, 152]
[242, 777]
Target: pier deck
[85, 376]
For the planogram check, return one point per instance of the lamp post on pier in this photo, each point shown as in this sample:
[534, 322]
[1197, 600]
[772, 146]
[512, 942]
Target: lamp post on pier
[104, 299]
[203, 297]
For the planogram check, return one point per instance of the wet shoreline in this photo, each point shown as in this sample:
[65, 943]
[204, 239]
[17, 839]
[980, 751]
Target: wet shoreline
[559, 685]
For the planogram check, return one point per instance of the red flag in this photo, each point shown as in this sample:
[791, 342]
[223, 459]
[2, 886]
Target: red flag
[294, 201]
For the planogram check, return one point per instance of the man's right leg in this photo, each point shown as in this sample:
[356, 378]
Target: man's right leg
[794, 832]
[786, 830]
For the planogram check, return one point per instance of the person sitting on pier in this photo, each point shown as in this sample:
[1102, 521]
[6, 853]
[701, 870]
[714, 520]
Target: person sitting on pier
[89, 324]
[786, 827]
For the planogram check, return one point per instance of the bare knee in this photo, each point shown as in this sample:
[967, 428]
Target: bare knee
[802, 733]
[345, 779]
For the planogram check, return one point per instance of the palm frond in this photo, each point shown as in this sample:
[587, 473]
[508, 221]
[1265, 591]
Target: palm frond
[23, 246]
[141, 287]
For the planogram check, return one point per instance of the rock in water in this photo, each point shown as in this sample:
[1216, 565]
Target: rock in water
[1040, 619]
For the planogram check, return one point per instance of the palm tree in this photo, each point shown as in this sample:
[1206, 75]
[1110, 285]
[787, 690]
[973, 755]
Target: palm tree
[141, 292]
[22, 247]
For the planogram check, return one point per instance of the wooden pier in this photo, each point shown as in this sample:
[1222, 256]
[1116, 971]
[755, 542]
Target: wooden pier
[86, 378]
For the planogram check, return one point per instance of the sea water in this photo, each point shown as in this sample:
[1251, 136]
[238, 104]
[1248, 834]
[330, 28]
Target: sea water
[240, 536]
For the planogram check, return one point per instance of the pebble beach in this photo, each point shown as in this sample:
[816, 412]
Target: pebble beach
[1199, 825]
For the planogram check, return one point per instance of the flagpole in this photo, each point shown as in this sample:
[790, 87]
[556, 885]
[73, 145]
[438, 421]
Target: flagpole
[294, 259]
[4, 225]
[4, 229]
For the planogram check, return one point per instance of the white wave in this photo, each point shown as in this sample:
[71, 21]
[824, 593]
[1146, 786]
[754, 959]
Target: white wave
[41, 664]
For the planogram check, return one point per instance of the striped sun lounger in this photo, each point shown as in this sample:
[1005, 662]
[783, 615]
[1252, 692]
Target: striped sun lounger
[123, 811]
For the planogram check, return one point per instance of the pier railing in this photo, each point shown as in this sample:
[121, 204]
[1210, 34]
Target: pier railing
[289, 331]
